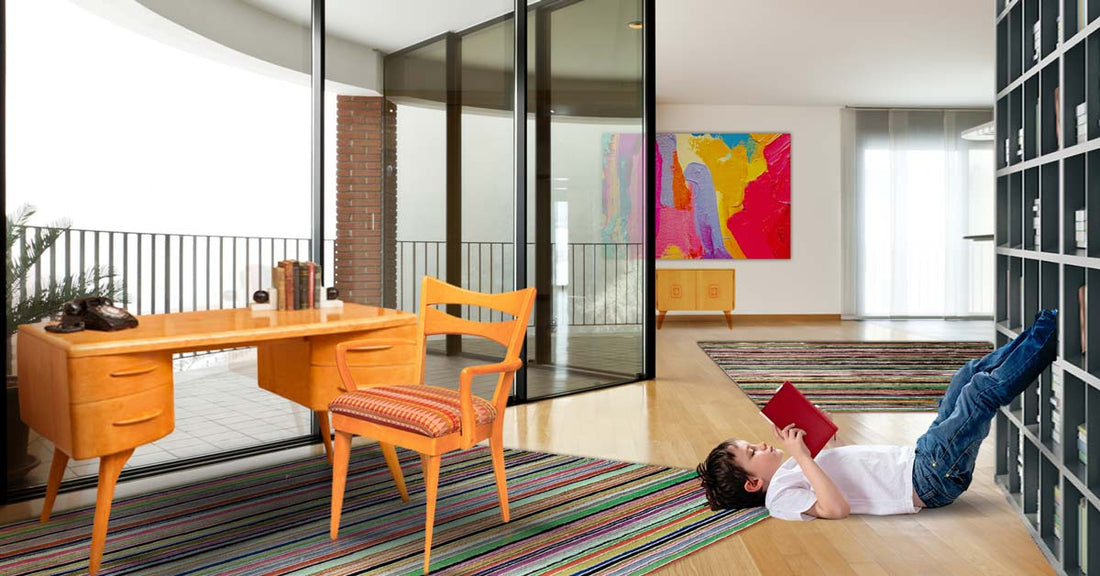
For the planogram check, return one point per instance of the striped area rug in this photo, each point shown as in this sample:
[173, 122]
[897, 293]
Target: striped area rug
[570, 515]
[847, 376]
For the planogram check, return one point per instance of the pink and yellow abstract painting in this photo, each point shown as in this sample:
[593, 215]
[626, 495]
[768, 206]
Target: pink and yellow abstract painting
[722, 196]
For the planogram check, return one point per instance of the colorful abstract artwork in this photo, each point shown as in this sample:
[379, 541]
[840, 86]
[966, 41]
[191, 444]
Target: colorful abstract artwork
[723, 196]
[623, 188]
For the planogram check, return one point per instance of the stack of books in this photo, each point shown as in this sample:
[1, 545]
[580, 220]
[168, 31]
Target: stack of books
[298, 285]
[1056, 379]
[1058, 511]
[1037, 223]
[1083, 535]
[1082, 123]
[1083, 444]
[1081, 228]
[1036, 33]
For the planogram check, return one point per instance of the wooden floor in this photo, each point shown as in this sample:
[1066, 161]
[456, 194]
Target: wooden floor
[676, 419]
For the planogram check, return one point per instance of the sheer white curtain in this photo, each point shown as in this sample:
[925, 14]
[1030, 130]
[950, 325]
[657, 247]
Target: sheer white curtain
[913, 190]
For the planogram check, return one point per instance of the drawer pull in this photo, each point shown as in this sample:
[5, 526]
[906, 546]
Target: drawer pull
[139, 419]
[371, 348]
[133, 372]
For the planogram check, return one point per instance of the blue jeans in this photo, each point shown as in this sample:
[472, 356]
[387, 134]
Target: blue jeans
[946, 453]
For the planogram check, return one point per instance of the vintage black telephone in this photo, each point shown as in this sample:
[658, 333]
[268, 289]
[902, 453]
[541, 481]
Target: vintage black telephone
[93, 313]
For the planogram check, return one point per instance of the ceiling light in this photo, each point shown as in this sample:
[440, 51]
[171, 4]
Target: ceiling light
[634, 25]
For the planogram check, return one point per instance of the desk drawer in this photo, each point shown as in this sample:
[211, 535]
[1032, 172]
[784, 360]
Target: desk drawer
[323, 348]
[113, 425]
[106, 377]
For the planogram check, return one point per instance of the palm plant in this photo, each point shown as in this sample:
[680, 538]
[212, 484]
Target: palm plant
[29, 303]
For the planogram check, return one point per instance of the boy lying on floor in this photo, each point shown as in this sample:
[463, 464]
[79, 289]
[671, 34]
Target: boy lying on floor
[883, 480]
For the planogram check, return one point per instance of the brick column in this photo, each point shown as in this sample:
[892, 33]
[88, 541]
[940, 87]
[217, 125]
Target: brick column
[365, 266]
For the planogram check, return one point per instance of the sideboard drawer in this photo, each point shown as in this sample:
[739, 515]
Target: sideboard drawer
[714, 290]
[676, 290]
[106, 377]
[109, 426]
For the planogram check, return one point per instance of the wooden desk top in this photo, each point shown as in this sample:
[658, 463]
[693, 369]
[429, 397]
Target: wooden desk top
[213, 329]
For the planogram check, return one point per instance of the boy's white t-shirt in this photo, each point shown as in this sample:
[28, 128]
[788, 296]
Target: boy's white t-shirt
[875, 480]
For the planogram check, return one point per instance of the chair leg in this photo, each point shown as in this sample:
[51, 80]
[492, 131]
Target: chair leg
[394, 465]
[496, 446]
[341, 453]
[431, 487]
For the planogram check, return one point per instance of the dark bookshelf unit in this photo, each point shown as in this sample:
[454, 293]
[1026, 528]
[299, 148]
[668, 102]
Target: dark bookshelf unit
[1047, 242]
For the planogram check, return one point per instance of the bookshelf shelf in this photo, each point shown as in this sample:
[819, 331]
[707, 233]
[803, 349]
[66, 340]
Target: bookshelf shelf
[1047, 152]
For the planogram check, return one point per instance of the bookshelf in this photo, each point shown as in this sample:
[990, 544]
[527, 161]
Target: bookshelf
[1047, 238]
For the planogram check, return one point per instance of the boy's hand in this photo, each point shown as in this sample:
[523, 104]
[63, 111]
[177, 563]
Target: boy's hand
[791, 439]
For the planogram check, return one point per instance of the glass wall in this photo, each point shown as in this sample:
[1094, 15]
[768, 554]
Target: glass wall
[185, 166]
[586, 198]
[180, 169]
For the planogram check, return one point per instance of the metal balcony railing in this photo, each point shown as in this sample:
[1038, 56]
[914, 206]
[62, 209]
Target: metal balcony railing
[595, 284]
[600, 284]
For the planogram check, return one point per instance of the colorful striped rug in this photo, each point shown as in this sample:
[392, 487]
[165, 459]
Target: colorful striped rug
[570, 515]
[847, 376]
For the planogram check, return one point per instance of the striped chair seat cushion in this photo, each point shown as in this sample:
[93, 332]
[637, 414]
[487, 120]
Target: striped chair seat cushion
[426, 410]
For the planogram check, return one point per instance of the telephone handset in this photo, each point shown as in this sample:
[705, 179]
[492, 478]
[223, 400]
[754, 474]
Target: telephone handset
[93, 313]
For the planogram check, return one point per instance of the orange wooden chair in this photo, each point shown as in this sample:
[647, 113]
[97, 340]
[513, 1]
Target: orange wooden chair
[429, 419]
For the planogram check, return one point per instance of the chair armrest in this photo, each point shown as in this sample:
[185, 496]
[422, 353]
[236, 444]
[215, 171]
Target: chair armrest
[360, 345]
[466, 404]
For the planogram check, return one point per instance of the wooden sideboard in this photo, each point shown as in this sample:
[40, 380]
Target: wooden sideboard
[696, 289]
[102, 394]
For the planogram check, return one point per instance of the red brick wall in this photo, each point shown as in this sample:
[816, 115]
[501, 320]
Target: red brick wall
[360, 268]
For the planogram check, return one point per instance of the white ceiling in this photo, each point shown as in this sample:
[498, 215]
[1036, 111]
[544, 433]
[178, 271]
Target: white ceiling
[826, 52]
[750, 52]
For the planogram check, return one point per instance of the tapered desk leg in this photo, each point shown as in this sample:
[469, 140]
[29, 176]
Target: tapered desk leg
[57, 471]
[110, 467]
[326, 433]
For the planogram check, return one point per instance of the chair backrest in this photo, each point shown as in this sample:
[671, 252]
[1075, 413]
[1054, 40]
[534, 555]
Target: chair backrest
[508, 333]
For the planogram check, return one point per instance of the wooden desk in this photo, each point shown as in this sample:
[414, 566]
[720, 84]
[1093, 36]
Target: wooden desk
[102, 394]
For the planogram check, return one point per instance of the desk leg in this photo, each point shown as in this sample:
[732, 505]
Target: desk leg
[326, 433]
[57, 471]
[110, 467]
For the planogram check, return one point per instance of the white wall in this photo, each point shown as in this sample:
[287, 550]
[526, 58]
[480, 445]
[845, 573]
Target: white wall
[810, 282]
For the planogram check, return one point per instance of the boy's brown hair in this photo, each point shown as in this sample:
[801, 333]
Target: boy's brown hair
[724, 480]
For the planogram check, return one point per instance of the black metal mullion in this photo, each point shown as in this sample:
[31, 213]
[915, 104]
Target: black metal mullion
[454, 177]
[650, 120]
[519, 183]
[544, 301]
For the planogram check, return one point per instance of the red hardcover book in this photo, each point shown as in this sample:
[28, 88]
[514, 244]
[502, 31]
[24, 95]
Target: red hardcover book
[789, 406]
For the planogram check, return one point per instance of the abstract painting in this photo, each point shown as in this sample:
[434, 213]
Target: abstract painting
[722, 196]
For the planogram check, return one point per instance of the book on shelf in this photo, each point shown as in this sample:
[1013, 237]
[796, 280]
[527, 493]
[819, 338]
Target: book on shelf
[1083, 535]
[1058, 110]
[1058, 511]
[1082, 445]
[1083, 299]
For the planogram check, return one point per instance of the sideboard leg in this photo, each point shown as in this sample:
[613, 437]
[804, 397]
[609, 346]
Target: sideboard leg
[729, 318]
[661, 318]
[110, 466]
[57, 471]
